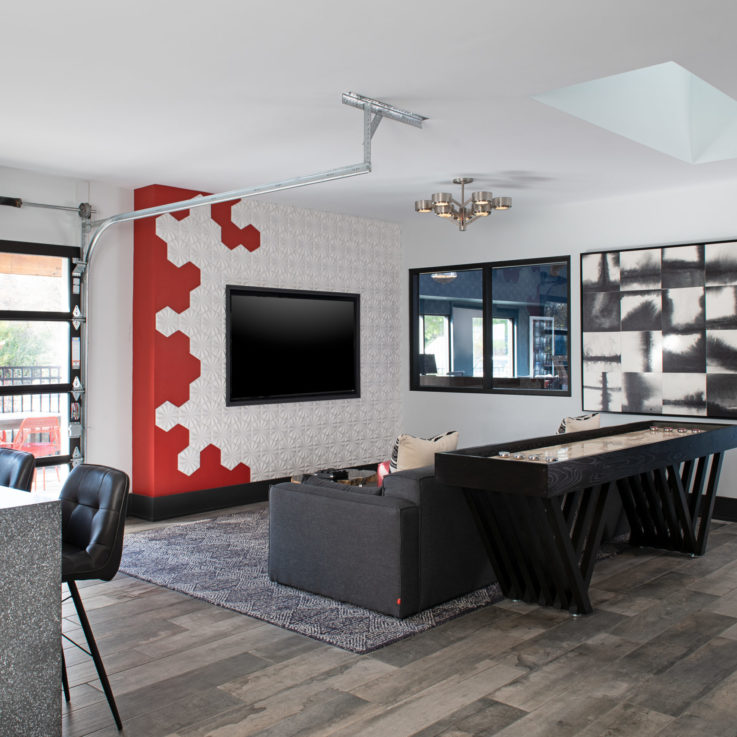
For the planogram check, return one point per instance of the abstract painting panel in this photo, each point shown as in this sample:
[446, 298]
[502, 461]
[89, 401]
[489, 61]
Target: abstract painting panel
[720, 264]
[601, 311]
[640, 269]
[683, 266]
[641, 393]
[721, 307]
[642, 352]
[659, 330]
[641, 310]
[684, 394]
[600, 271]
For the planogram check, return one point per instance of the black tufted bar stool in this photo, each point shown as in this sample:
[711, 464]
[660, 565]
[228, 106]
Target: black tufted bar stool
[94, 500]
[16, 469]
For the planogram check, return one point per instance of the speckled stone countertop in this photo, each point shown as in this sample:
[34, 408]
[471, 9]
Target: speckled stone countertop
[30, 613]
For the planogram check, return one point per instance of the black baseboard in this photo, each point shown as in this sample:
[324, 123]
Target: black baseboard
[203, 500]
[725, 509]
[206, 500]
[157, 508]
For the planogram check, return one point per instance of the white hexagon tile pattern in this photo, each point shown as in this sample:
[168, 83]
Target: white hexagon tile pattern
[300, 249]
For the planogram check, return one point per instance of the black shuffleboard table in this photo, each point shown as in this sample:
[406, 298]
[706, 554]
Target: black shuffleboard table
[539, 503]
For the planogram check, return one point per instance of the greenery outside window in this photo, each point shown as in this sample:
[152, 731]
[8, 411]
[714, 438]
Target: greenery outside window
[492, 327]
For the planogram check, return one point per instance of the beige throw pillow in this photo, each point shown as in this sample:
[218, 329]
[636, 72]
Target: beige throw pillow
[582, 422]
[412, 452]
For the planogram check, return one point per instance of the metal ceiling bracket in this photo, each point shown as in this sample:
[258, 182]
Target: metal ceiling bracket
[374, 111]
[383, 109]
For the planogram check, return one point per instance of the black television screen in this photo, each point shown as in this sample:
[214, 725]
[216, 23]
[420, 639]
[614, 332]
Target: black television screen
[288, 345]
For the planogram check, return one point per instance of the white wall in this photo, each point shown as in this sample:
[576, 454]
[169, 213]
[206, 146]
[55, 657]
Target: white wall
[675, 216]
[111, 289]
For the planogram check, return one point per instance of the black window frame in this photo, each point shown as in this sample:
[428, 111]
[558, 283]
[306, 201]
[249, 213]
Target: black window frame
[487, 383]
[58, 251]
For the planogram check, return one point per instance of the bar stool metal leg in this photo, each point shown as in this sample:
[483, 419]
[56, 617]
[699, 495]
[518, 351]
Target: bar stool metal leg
[64, 679]
[94, 652]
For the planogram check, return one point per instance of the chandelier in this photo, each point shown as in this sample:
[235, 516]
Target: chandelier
[478, 205]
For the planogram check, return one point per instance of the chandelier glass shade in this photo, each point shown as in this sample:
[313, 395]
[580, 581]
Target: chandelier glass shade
[465, 211]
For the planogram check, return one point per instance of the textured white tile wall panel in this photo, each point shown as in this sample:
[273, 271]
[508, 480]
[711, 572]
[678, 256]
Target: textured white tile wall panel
[300, 249]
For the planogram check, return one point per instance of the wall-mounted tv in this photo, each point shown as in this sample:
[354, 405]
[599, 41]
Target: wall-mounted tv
[289, 345]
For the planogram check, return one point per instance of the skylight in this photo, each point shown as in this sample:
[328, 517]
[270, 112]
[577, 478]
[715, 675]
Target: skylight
[664, 106]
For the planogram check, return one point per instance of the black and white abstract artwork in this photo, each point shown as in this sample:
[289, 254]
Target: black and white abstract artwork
[659, 330]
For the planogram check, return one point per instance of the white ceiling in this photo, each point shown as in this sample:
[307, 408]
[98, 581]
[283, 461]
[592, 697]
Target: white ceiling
[222, 94]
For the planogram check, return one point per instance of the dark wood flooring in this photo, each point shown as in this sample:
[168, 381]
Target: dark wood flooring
[658, 657]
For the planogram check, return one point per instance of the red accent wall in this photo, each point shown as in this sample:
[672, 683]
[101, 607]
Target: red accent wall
[163, 367]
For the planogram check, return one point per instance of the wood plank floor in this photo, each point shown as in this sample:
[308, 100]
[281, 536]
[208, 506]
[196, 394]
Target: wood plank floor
[657, 658]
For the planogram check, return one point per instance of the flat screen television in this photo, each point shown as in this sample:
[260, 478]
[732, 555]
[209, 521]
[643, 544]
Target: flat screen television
[288, 345]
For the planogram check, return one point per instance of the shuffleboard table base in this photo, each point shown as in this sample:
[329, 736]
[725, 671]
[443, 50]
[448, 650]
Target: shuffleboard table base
[671, 507]
[540, 504]
[543, 550]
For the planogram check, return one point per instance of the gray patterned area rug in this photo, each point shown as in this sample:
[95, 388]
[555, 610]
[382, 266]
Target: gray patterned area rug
[223, 560]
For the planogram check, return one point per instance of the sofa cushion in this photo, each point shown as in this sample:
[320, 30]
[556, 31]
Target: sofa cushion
[413, 452]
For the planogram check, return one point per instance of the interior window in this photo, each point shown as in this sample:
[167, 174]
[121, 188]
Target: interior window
[497, 327]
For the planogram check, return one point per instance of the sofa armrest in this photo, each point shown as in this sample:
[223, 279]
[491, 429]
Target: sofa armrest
[453, 560]
[357, 548]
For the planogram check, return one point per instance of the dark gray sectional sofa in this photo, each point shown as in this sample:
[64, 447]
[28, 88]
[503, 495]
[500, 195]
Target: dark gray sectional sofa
[408, 548]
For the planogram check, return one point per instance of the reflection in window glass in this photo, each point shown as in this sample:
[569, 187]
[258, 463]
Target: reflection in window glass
[530, 320]
[33, 352]
[451, 329]
[31, 282]
[503, 347]
[35, 423]
[435, 344]
[478, 346]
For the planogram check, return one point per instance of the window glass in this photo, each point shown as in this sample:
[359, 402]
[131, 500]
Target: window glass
[33, 352]
[435, 347]
[531, 302]
[502, 340]
[35, 423]
[31, 282]
[478, 345]
[451, 329]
